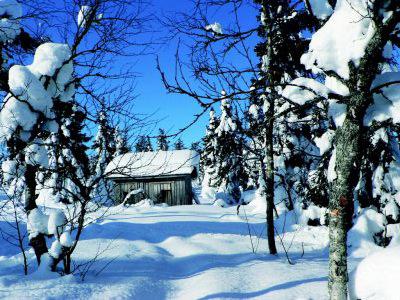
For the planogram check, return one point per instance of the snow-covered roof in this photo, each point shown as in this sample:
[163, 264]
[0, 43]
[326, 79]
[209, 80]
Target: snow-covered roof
[152, 164]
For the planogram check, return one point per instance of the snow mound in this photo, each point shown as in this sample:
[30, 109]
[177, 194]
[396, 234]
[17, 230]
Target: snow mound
[361, 236]
[377, 276]
[258, 205]
[220, 203]
[144, 203]
[313, 213]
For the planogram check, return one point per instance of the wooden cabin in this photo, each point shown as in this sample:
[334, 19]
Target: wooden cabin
[162, 176]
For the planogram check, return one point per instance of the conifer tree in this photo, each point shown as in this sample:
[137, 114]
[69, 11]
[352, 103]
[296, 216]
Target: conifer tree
[149, 145]
[162, 140]
[208, 159]
[104, 146]
[121, 142]
[179, 145]
[142, 144]
[279, 52]
[229, 154]
[195, 146]
[104, 143]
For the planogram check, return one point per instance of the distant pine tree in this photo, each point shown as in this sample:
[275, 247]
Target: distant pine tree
[162, 141]
[104, 143]
[208, 160]
[141, 144]
[149, 145]
[179, 145]
[121, 142]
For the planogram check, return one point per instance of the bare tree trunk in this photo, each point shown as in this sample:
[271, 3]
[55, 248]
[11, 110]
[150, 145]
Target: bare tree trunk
[270, 183]
[341, 206]
[67, 264]
[37, 242]
[268, 173]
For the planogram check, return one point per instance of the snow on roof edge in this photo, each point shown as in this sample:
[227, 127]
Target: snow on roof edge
[153, 164]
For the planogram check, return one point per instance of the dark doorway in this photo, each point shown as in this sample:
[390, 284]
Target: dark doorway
[166, 196]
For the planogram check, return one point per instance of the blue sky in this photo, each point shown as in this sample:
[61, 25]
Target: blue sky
[173, 111]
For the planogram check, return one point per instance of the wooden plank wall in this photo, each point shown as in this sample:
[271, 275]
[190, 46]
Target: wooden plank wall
[180, 189]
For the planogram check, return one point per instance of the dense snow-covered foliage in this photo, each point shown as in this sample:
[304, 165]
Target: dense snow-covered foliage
[30, 99]
[329, 48]
[11, 12]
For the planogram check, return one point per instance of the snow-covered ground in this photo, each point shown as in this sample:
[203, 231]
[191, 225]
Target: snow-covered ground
[183, 252]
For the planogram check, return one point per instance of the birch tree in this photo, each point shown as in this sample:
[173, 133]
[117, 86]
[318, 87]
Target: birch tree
[363, 34]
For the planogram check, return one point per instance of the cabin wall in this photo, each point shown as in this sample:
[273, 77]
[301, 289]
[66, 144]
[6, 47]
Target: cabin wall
[173, 191]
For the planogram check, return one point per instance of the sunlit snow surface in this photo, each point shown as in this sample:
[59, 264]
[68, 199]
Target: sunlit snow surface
[181, 252]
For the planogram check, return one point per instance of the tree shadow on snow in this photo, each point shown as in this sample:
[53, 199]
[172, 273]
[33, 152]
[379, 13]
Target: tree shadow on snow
[264, 292]
[160, 231]
[175, 268]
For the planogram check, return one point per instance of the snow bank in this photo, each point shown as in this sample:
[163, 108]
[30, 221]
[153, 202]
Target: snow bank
[312, 213]
[258, 205]
[377, 276]
[131, 194]
[208, 193]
